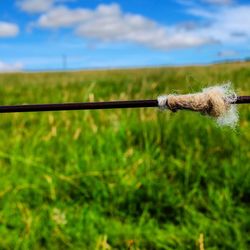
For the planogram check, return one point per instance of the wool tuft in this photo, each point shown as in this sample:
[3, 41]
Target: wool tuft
[213, 101]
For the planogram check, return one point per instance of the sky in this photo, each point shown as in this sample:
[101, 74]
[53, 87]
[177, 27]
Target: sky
[38, 35]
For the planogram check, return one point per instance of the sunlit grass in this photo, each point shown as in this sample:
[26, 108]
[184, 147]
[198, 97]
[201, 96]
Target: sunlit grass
[122, 179]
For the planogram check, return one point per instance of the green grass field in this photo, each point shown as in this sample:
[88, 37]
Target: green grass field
[123, 179]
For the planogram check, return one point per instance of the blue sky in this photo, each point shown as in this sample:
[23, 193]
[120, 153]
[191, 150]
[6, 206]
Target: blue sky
[47, 34]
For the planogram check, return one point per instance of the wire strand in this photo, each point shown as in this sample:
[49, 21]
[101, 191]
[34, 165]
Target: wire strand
[93, 105]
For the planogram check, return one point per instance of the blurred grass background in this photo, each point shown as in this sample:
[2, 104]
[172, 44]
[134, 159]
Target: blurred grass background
[123, 179]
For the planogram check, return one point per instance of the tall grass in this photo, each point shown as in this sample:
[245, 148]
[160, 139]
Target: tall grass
[122, 179]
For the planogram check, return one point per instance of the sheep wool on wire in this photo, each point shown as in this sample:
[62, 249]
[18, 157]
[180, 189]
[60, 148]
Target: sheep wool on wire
[216, 102]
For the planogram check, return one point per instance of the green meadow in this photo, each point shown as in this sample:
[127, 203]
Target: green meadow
[136, 179]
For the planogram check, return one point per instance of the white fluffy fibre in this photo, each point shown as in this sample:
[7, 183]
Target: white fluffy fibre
[162, 102]
[229, 117]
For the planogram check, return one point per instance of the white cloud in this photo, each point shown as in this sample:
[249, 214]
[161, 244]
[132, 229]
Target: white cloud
[228, 53]
[35, 6]
[109, 23]
[10, 67]
[38, 6]
[8, 29]
[63, 17]
[218, 2]
[227, 25]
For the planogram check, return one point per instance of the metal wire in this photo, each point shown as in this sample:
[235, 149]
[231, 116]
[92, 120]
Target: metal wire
[93, 105]
[243, 100]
